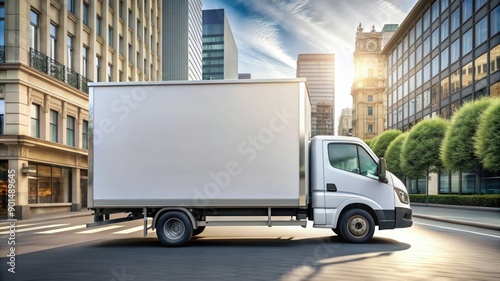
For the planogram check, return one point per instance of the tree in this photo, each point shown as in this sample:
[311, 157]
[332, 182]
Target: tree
[383, 141]
[420, 152]
[488, 137]
[373, 142]
[393, 156]
[457, 152]
[368, 141]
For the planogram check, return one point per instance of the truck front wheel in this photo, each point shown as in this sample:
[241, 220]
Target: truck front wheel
[357, 226]
[174, 229]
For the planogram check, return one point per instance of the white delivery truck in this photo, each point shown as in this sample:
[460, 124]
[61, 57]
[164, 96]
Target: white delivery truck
[193, 154]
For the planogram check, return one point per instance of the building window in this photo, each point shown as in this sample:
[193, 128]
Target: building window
[370, 128]
[2, 117]
[427, 98]
[2, 23]
[370, 110]
[110, 36]
[444, 58]
[71, 6]
[53, 42]
[427, 20]
[427, 72]
[70, 131]
[418, 103]
[85, 15]
[435, 11]
[130, 22]
[405, 110]
[138, 29]
[130, 53]
[35, 120]
[455, 81]
[418, 53]
[466, 10]
[98, 25]
[467, 75]
[418, 29]
[444, 5]
[427, 46]
[481, 67]
[70, 51]
[370, 98]
[455, 51]
[435, 66]
[495, 59]
[34, 30]
[120, 9]
[110, 73]
[418, 78]
[445, 88]
[53, 125]
[49, 185]
[85, 134]
[120, 45]
[444, 30]
[495, 21]
[85, 52]
[455, 20]
[467, 42]
[481, 31]
[98, 68]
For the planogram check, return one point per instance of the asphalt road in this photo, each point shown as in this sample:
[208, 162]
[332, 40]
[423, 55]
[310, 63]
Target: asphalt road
[429, 250]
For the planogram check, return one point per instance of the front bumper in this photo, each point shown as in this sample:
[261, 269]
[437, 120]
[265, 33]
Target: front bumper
[403, 218]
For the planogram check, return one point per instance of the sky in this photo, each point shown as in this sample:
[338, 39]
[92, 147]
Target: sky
[270, 34]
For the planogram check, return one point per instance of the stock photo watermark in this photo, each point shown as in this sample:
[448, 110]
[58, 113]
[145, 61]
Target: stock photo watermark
[11, 213]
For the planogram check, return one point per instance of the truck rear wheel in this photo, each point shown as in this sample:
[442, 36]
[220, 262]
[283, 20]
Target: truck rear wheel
[198, 230]
[174, 229]
[357, 226]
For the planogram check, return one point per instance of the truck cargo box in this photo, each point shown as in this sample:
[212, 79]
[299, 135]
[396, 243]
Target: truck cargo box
[222, 144]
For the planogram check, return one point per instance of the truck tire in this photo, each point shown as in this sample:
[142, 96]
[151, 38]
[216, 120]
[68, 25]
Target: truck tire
[174, 229]
[356, 226]
[198, 230]
[336, 231]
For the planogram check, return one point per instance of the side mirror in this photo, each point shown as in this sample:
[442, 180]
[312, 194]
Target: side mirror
[381, 171]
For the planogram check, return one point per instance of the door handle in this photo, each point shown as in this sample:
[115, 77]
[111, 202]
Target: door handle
[331, 187]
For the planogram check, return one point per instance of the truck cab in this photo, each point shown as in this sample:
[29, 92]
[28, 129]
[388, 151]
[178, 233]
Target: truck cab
[351, 191]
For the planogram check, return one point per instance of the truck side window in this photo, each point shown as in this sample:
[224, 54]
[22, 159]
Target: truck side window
[352, 158]
[344, 157]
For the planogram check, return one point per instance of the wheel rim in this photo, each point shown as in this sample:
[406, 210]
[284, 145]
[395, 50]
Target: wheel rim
[358, 226]
[174, 229]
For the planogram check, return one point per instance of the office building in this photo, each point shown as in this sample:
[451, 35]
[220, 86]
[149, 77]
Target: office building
[220, 53]
[345, 122]
[444, 54]
[181, 55]
[49, 50]
[319, 69]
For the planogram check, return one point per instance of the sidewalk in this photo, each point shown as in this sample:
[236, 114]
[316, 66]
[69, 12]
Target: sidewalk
[488, 218]
[465, 215]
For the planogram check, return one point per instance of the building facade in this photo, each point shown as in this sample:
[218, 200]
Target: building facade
[345, 122]
[319, 69]
[368, 89]
[181, 30]
[220, 53]
[444, 54]
[49, 50]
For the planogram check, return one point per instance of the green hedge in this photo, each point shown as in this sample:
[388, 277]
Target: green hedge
[464, 200]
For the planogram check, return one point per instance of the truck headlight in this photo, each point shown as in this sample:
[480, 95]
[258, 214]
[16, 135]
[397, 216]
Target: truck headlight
[403, 196]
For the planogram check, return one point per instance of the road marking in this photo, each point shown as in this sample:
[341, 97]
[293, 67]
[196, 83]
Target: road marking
[457, 229]
[22, 225]
[62, 229]
[130, 230]
[99, 229]
[35, 228]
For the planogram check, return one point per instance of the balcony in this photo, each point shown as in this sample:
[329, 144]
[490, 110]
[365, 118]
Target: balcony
[53, 68]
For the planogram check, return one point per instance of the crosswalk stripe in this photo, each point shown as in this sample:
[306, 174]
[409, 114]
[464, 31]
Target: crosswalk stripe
[99, 229]
[35, 228]
[21, 225]
[62, 229]
[130, 230]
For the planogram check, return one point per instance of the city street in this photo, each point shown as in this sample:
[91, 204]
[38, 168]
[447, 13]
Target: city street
[65, 250]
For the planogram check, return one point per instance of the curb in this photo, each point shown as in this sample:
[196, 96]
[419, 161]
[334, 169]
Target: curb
[475, 208]
[49, 218]
[456, 221]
